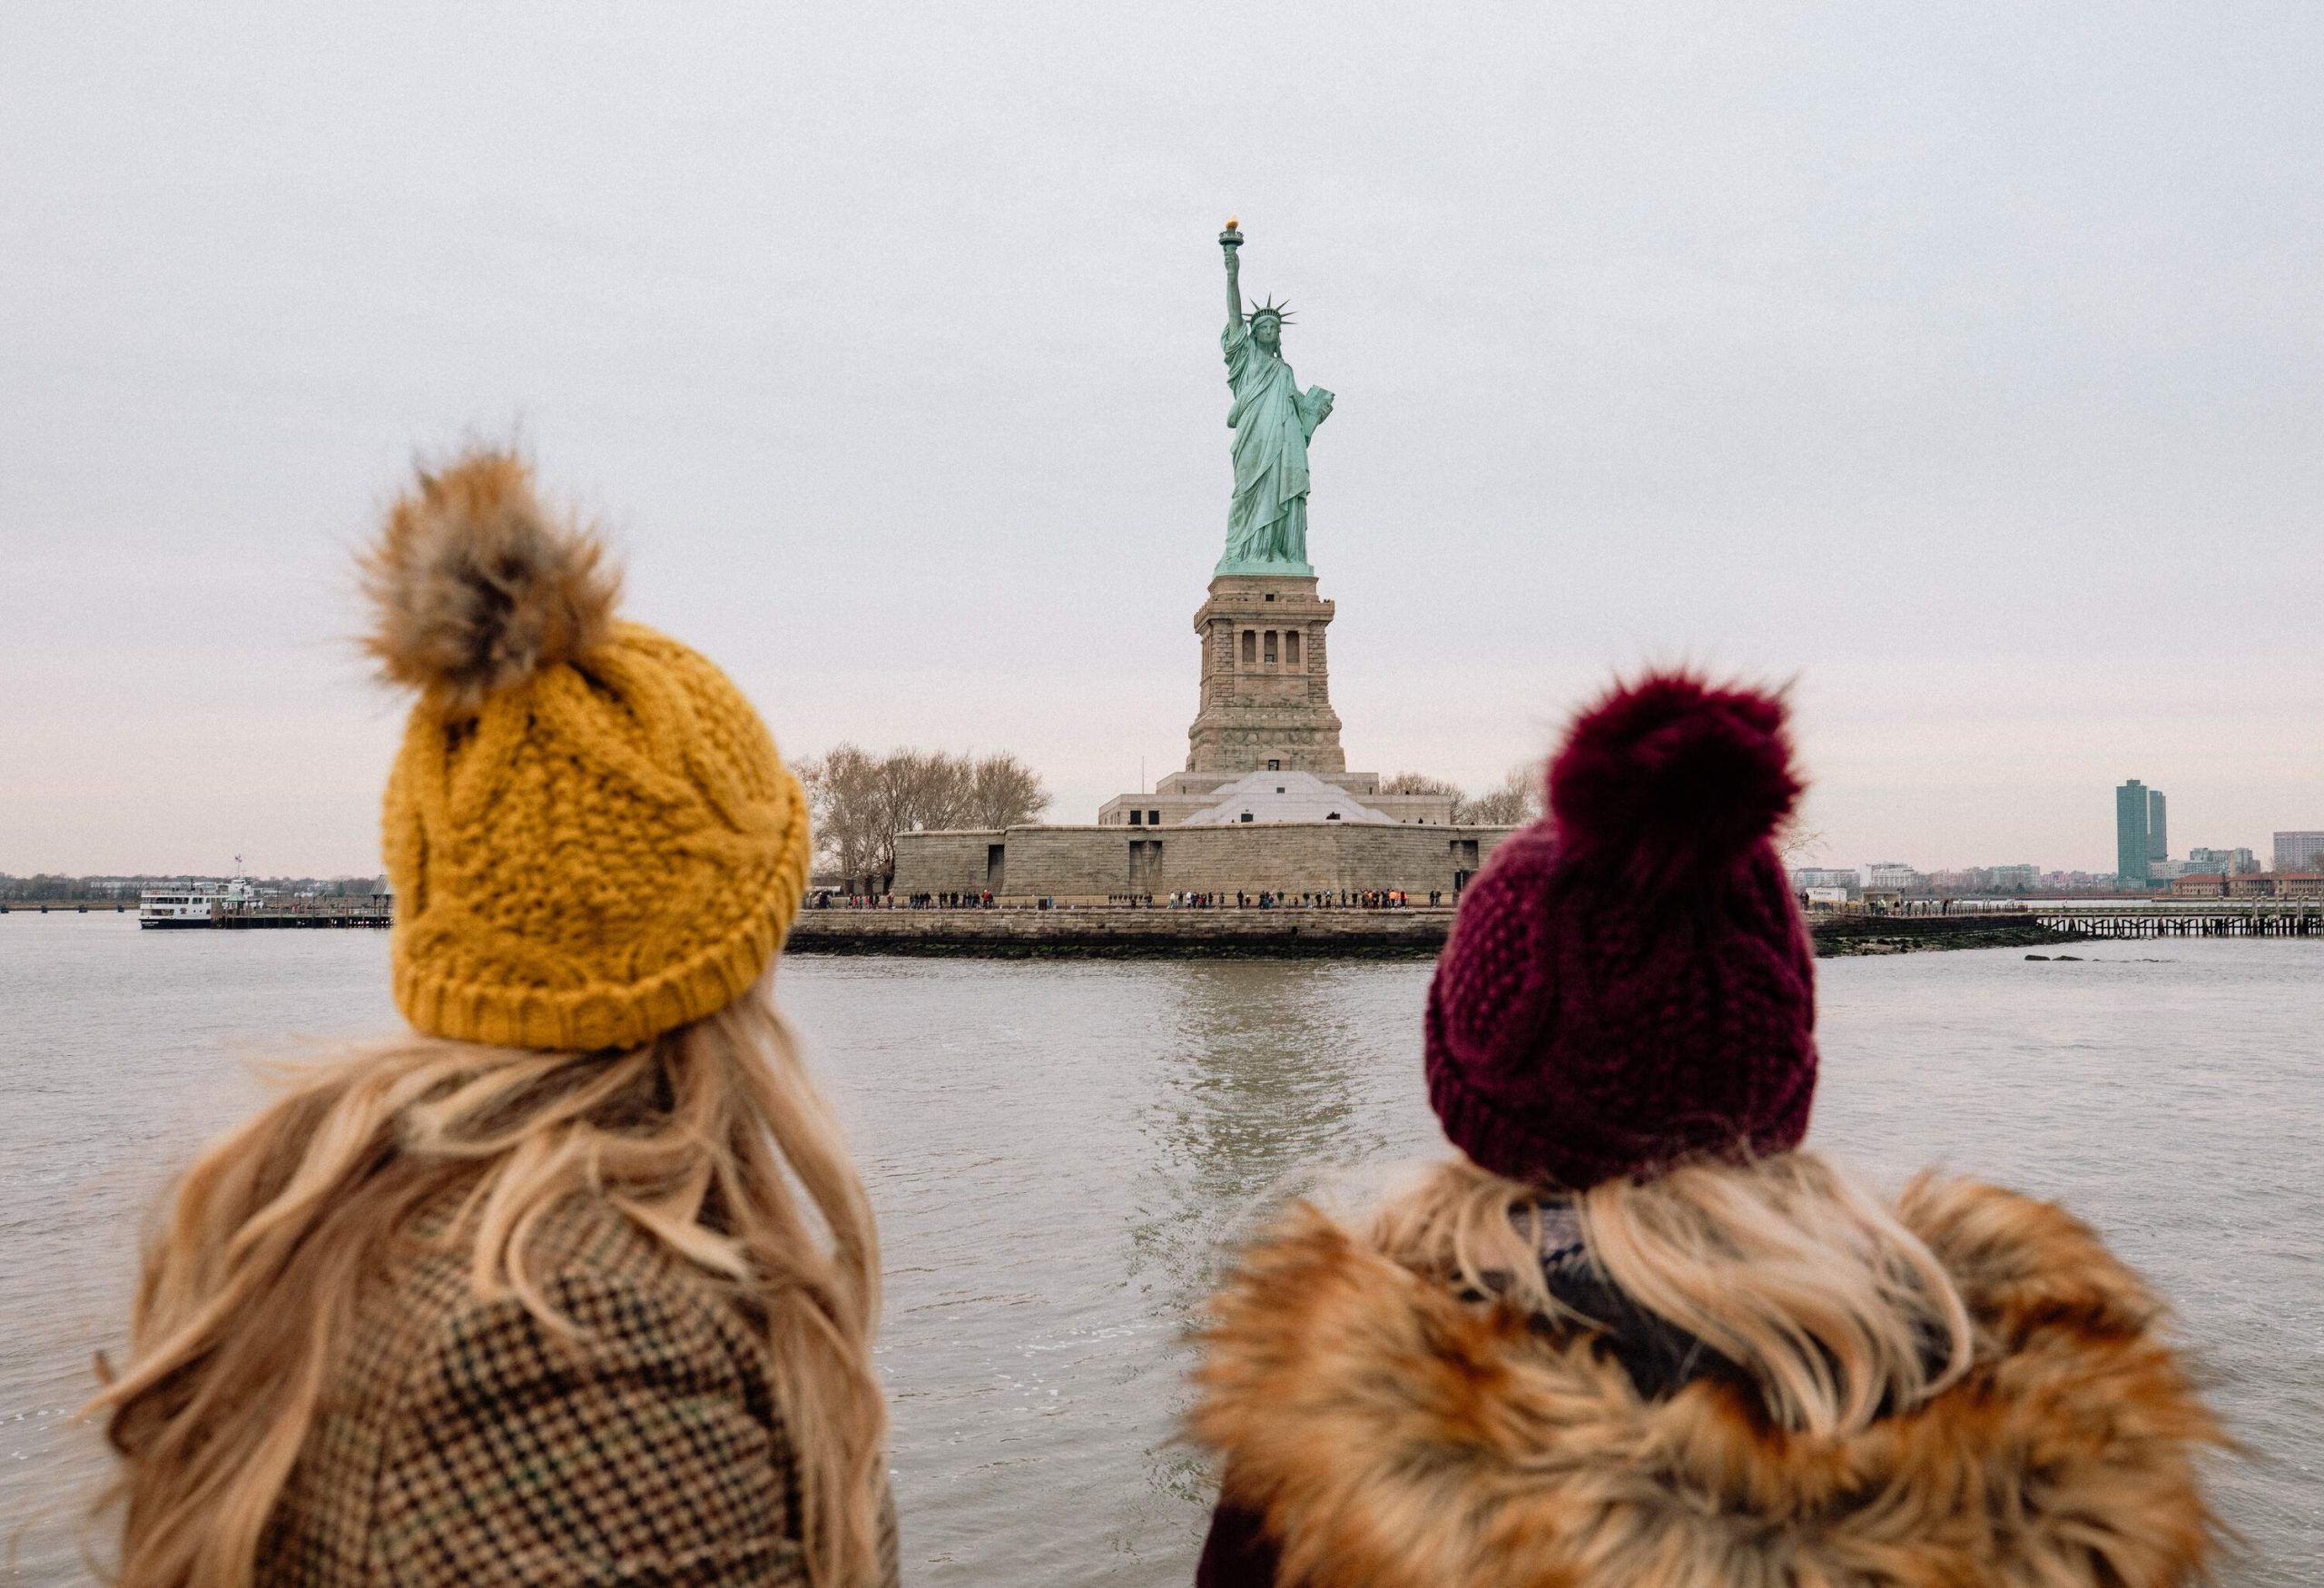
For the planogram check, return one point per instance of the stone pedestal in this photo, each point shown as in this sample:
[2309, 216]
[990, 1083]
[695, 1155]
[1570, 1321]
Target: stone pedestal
[1266, 703]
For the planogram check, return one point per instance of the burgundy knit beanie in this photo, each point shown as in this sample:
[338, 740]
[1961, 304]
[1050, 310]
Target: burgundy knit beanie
[1628, 983]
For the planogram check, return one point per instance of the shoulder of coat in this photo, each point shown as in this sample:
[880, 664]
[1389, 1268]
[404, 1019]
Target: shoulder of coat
[601, 1292]
[2022, 1263]
[1391, 1433]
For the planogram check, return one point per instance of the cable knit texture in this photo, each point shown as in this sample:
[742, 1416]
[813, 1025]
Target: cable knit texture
[1628, 983]
[592, 843]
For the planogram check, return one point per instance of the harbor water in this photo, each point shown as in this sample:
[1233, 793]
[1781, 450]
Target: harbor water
[1057, 1151]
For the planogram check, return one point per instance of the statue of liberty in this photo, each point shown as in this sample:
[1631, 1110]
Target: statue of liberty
[1267, 527]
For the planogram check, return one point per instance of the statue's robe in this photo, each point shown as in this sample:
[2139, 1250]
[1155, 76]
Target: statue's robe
[1272, 420]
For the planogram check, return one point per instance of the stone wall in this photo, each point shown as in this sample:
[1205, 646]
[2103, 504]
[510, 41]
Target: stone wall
[1095, 864]
[1123, 933]
[1229, 932]
[963, 859]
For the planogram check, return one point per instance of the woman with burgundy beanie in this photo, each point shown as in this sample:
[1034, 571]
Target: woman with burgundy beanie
[1635, 1335]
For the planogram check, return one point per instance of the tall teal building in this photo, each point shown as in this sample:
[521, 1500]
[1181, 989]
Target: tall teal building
[2139, 832]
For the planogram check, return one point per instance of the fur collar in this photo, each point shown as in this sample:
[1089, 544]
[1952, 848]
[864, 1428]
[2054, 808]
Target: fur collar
[1391, 1435]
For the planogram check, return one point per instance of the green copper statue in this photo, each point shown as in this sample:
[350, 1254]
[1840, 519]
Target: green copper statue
[1266, 527]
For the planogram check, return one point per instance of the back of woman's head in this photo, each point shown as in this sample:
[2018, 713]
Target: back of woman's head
[596, 851]
[698, 1137]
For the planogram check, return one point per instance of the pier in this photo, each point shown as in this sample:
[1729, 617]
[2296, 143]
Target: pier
[320, 913]
[2226, 920]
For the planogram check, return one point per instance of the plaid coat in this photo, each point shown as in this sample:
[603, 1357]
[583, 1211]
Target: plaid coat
[460, 1443]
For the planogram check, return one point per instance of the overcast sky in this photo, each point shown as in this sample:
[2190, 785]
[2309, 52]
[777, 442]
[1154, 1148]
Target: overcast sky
[1961, 363]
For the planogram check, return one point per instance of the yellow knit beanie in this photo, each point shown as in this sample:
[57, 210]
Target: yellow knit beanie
[590, 836]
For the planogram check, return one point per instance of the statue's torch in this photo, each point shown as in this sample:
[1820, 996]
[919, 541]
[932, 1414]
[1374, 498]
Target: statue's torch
[1230, 239]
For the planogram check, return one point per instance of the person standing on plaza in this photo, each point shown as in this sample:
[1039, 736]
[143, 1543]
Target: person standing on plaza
[574, 1282]
[1634, 1335]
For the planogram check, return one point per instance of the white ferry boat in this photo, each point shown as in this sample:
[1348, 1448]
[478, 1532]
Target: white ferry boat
[196, 905]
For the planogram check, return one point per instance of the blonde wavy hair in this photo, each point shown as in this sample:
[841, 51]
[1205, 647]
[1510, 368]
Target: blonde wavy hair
[711, 1139]
[1784, 1266]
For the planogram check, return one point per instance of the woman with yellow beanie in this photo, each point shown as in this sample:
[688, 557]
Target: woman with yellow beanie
[575, 1283]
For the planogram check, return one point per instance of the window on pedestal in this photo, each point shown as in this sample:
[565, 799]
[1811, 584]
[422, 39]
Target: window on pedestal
[1137, 818]
[1274, 766]
[1250, 648]
[1270, 646]
[1291, 648]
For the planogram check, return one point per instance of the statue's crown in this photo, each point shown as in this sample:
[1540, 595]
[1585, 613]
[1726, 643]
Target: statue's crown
[1282, 312]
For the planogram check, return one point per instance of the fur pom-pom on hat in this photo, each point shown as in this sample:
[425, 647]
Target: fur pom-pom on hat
[1672, 777]
[591, 837]
[475, 586]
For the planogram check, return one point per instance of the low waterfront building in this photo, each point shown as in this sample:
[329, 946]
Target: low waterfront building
[1288, 860]
[2252, 885]
[2276, 886]
[1893, 876]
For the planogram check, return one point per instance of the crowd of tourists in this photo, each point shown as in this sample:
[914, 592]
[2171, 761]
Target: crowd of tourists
[576, 1282]
[1269, 899]
[1241, 899]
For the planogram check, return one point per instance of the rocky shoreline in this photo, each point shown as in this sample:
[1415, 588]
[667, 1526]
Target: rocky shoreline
[1415, 933]
[1842, 937]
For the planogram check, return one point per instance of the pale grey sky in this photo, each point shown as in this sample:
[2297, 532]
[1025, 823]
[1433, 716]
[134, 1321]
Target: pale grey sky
[1964, 362]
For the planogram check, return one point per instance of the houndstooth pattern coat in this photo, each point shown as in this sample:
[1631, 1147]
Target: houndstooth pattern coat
[462, 1443]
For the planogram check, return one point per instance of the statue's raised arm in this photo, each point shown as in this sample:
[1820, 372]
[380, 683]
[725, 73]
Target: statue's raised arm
[1230, 242]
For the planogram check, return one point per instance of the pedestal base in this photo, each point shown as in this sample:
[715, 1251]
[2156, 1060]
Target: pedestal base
[1267, 701]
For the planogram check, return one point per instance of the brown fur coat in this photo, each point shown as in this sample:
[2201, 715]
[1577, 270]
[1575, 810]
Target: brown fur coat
[1388, 1434]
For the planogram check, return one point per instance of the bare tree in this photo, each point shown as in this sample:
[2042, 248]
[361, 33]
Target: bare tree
[1418, 783]
[843, 794]
[1003, 791]
[861, 800]
[1796, 842]
[1512, 801]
